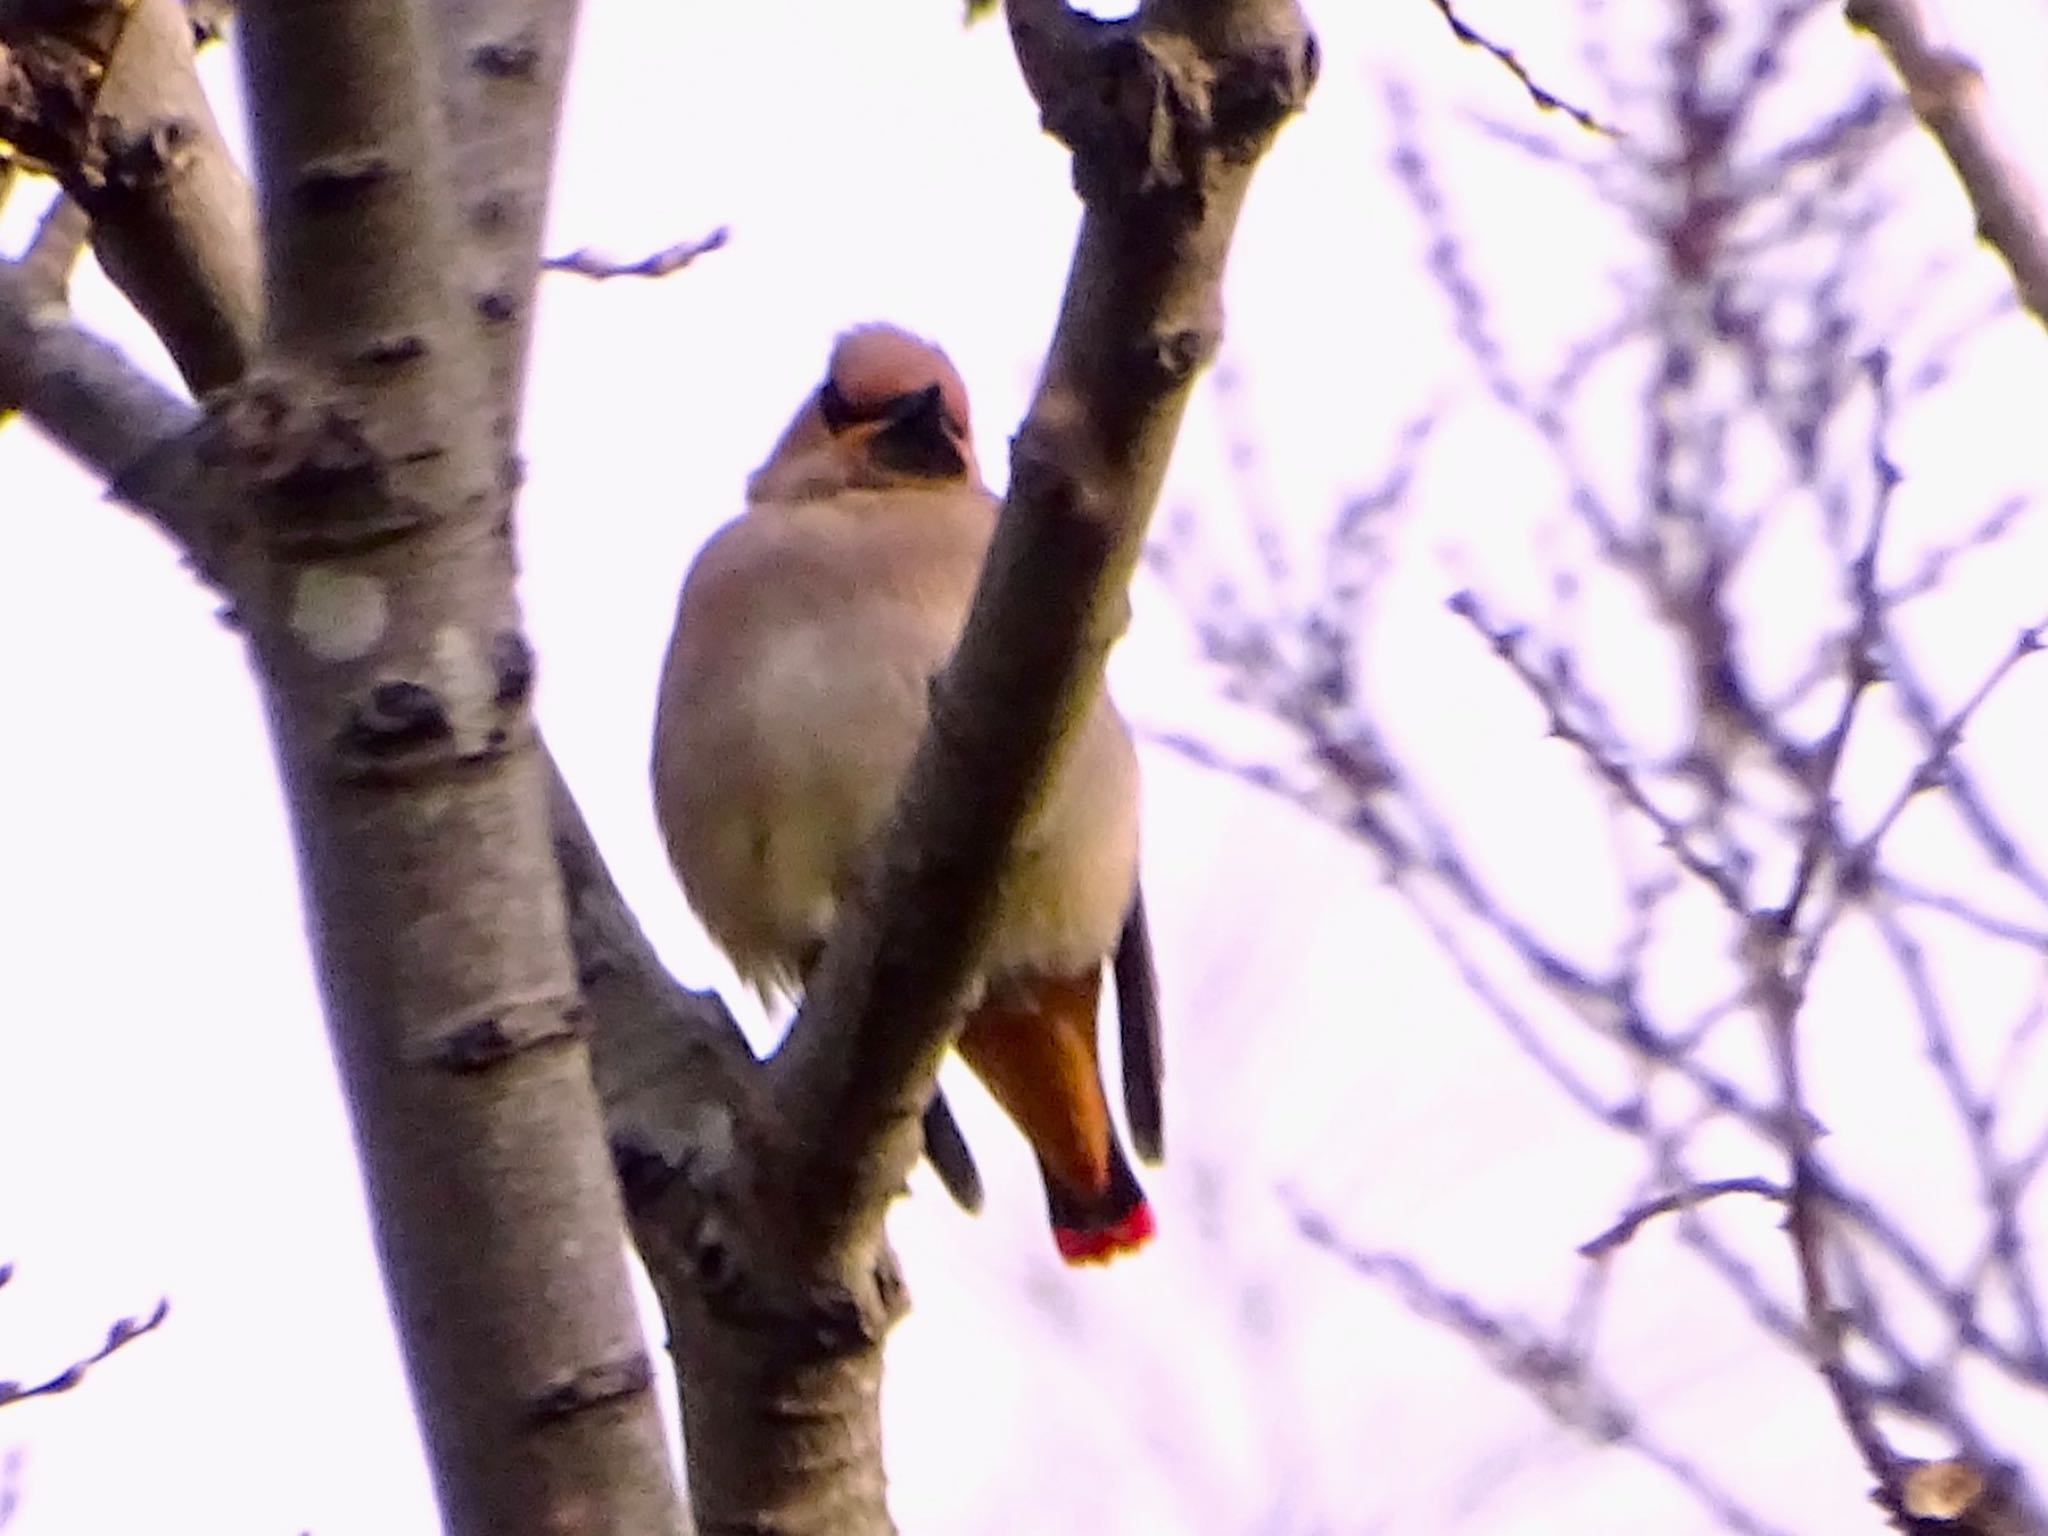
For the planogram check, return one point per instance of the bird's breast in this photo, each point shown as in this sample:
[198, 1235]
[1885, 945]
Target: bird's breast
[797, 689]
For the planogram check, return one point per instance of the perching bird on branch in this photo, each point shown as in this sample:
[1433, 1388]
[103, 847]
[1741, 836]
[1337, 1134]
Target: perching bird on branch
[796, 688]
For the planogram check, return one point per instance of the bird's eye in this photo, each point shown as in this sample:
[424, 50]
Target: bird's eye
[841, 413]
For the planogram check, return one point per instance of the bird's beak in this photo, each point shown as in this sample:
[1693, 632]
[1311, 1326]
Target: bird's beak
[919, 438]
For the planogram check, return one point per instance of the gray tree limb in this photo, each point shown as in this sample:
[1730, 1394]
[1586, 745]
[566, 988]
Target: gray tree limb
[1167, 114]
[377, 596]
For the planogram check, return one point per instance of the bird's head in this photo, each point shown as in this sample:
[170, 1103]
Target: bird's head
[891, 413]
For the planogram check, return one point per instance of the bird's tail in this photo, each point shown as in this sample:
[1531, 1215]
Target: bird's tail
[1095, 1226]
[1032, 1041]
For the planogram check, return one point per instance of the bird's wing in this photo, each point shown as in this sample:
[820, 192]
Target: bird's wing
[1137, 1012]
[951, 1158]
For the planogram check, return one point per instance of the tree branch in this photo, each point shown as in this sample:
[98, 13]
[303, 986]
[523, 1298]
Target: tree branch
[585, 262]
[1167, 113]
[114, 419]
[1946, 92]
[1692, 1196]
[669, 1064]
[60, 239]
[384, 633]
[503, 67]
[651, 1039]
[1555, 1370]
[780, 1214]
[107, 97]
[123, 1332]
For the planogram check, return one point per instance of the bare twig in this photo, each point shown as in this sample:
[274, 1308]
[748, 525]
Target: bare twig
[2001, 845]
[1933, 772]
[1806, 1223]
[1692, 1196]
[587, 263]
[1973, 1110]
[1506, 644]
[1779, 985]
[123, 1333]
[1552, 1371]
[1545, 100]
[1753, 793]
[1860, 670]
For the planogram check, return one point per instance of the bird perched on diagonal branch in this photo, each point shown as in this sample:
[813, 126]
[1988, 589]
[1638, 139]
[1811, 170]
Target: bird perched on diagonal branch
[796, 688]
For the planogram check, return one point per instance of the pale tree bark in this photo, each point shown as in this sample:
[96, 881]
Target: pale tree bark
[382, 627]
[374, 579]
[353, 508]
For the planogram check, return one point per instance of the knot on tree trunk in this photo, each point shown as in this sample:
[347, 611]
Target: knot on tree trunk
[727, 1216]
[312, 447]
[1150, 102]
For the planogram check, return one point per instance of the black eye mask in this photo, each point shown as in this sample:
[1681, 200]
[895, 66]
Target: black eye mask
[920, 438]
[841, 413]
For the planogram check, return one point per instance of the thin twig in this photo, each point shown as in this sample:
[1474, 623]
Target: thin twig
[1553, 1372]
[1938, 770]
[123, 1333]
[1974, 1114]
[1506, 644]
[1546, 100]
[1693, 1195]
[2006, 850]
[1861, 670]
[587, 263]
[1780, 994]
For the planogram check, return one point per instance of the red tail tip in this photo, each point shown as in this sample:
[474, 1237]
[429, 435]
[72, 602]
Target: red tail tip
[1098, 1245]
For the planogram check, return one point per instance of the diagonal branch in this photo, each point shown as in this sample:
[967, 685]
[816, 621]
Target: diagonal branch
[117, 113]
[1556, 1371]
[1167, 114]
[120, 1334]
[97, 406]
[1947, 94]
[60, 239]
[585, 262]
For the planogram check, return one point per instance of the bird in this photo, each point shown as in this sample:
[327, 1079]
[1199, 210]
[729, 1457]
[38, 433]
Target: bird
[794, 691]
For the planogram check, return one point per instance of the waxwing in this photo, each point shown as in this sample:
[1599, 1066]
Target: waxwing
[796, 686]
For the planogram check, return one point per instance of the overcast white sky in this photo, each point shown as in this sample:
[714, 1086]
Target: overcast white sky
[167, 1115]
